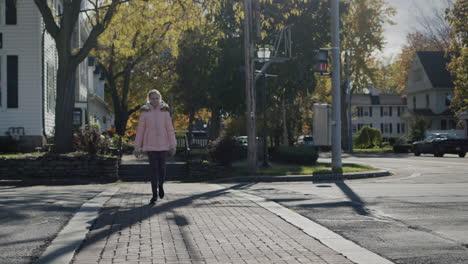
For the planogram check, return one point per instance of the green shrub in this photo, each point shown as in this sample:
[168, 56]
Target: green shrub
[418, 127]
[402, 148]
[296, 155]
[368, 137]
[224, 150]
[90, 140]
[127, 146]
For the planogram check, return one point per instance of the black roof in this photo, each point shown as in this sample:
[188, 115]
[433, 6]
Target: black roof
[435, 65]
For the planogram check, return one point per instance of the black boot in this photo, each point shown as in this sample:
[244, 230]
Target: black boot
[153, 200]
[161, 191]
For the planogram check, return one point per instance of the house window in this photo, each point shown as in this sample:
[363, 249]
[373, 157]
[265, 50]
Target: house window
[51, 97]
[371, 125]
[427, 101]
[452, 124]
[355, 130]
[10, 12]
[398, 111]
[366, 113]
[403, 128]
[12, 81]
[77, 120]
[443, 124]
[385, 111]
[414, 102]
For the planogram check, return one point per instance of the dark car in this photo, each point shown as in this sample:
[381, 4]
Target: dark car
[439, 144]
[304, 141]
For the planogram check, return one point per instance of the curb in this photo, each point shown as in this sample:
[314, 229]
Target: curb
[69, 239]
[334, 241]
[317, 177]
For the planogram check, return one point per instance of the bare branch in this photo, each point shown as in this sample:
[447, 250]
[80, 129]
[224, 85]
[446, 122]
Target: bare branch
[48, 18]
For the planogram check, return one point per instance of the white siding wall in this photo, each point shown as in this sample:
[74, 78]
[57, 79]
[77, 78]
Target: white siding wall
[51, 58]
[418, 81]
[23, 40]
[376, 120]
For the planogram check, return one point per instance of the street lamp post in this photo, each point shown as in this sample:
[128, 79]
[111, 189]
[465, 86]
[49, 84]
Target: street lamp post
[264, 56]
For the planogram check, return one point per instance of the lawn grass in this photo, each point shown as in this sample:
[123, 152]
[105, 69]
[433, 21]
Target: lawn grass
[386, 149]
[319, 168]
[21, 155]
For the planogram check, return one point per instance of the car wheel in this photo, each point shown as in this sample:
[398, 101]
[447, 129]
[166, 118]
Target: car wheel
[416, 152]
[461, 154]
[439, 154]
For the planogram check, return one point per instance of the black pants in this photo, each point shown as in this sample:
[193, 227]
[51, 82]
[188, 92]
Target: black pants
[157, 160]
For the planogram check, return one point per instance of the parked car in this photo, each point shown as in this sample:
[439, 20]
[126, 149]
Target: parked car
[244, 140]
[440, 143]
[305, 141]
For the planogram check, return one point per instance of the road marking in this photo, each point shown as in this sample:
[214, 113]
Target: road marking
[414, 175]
[63, 247]
[329, 238]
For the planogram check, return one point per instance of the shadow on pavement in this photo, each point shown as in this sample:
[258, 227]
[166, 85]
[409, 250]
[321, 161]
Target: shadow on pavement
[113, 219]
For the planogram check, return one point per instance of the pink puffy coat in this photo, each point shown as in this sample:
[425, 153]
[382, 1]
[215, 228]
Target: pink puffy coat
[155, 131]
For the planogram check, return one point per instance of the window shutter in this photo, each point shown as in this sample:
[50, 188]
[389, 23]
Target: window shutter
[10, 12]
[381, 127]
[390, 111]
[12, 81]
[370, 111]
[391, 128]
[381, 111]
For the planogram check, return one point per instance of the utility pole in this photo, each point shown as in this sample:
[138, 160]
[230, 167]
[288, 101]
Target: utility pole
[349, 95]
[249, 87]
[336, 101]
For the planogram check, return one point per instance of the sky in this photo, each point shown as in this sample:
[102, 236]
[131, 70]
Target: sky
[406, 20]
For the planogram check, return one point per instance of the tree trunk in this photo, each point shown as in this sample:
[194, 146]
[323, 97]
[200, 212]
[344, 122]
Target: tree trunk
[215, 127]
[285, 126]
[63, 138]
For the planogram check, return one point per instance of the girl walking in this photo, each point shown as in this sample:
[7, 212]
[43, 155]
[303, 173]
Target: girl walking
[155, 135]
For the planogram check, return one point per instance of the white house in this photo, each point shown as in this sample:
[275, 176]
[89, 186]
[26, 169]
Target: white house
[381, 111]
[429, 89]
[28, 65]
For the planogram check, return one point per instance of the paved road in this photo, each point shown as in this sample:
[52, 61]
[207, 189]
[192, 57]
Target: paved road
[417, 215]
[31, 217]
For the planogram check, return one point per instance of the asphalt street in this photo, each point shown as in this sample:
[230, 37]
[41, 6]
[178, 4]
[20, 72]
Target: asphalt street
[417, 215]
[31, 217]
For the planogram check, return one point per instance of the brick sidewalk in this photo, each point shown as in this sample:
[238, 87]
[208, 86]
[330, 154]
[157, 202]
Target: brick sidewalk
[195, 223]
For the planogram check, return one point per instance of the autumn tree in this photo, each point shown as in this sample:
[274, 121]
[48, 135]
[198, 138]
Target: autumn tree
[61, 29]
[362, 35]
[135, 52]
[458, 67]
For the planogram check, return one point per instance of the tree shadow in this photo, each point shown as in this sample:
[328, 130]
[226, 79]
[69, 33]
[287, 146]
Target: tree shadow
[113, 219]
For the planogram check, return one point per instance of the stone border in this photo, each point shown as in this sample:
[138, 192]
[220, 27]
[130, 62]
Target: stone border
[63, 247]
[59, 167]
[317, 177]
